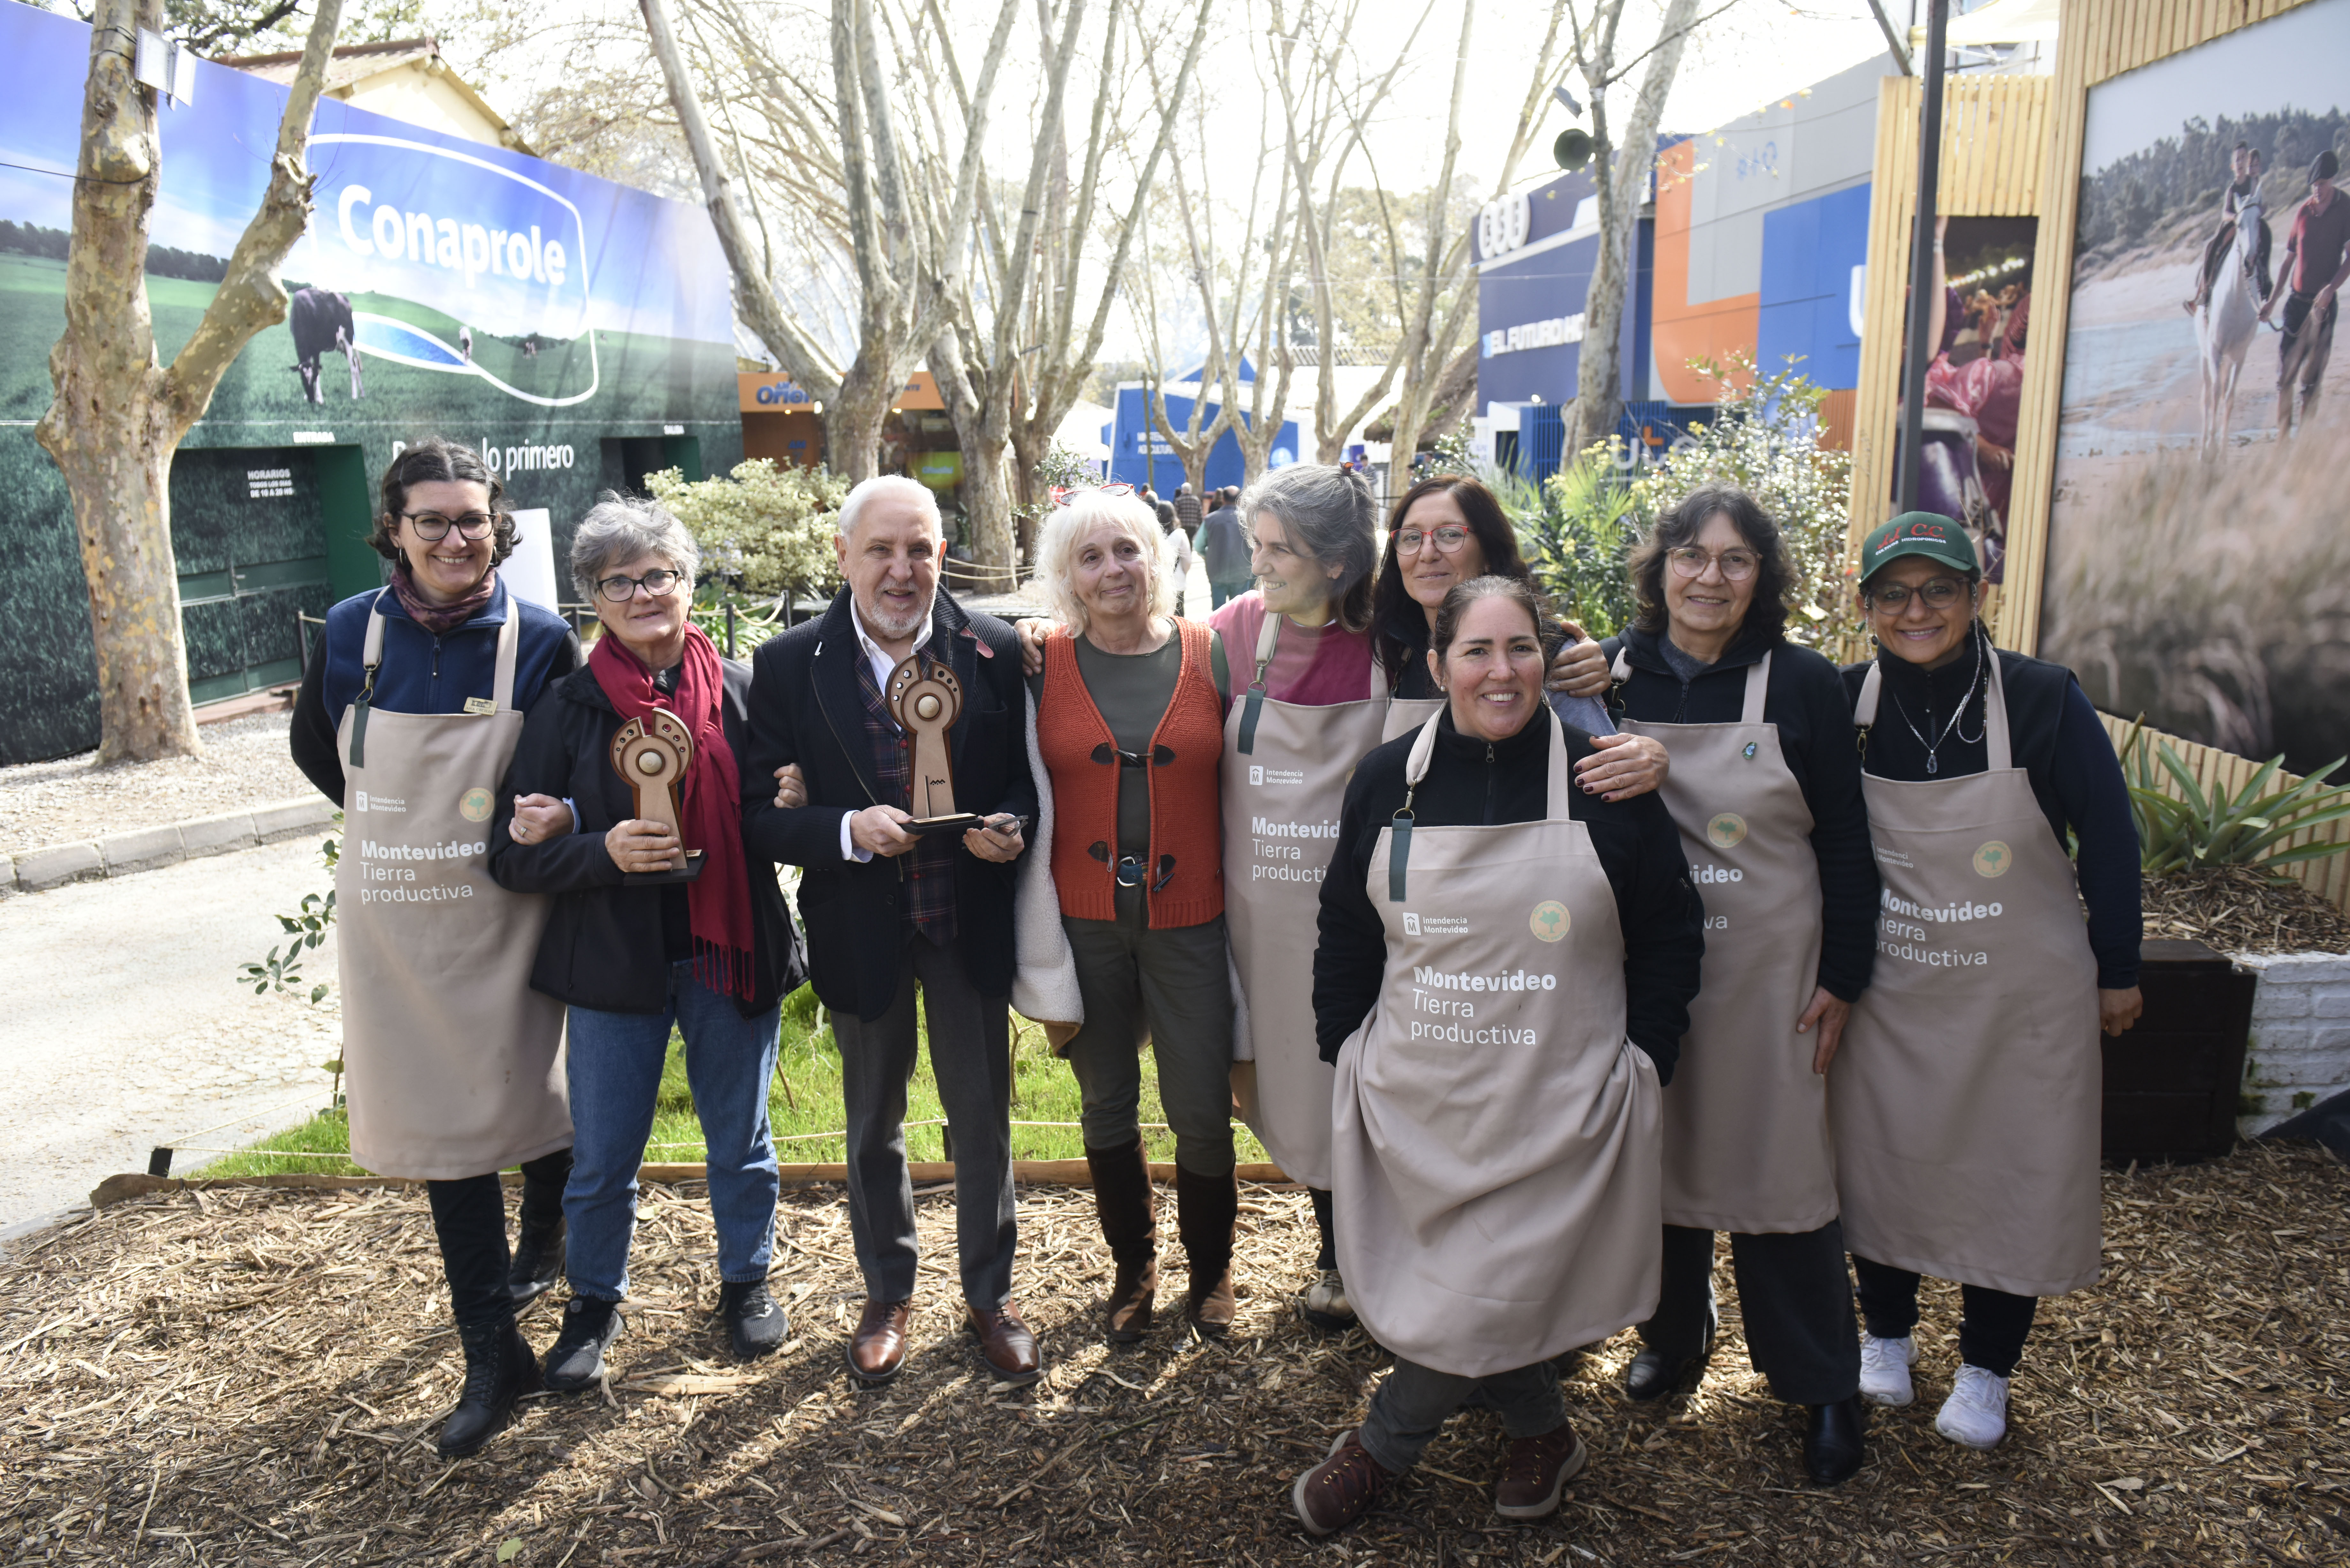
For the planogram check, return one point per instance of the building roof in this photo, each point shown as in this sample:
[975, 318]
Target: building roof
[401, 78]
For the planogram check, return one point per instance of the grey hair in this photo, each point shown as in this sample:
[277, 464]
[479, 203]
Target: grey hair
[1327, 513]
[852, 507]
[1065, 529]
[622, 529]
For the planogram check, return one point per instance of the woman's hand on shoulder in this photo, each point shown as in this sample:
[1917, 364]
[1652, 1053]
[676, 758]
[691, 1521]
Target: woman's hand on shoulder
[1032, 633]
[1622, 766]
[1581, 668]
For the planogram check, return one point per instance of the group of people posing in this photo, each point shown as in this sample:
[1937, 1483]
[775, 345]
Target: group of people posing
[1537, 960]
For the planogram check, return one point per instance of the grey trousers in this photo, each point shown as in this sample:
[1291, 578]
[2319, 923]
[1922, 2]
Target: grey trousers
[1794, 1296]
[970, 1057]
[1172, 985]
[1415, 1400]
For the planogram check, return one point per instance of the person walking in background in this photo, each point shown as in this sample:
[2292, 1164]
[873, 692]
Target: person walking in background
[893, 914]
[1129, 713]
[1175, 547]
[1187, 509]
[2318, 250]
[636, 958]
[1224, 549]
[1965, 1099]
[453, 1064]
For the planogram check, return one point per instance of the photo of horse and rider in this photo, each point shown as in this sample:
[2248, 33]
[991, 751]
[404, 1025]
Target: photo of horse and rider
[2196, 549]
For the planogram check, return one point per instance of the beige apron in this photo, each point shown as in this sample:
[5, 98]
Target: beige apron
[1494, 1147]
[1965, 1098]
[1285, 769]
[453, 1065]
[1746, 1120]
[1406, 714]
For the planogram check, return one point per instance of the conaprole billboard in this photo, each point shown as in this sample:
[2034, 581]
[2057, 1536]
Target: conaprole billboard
[575, 331]
[2199, 567]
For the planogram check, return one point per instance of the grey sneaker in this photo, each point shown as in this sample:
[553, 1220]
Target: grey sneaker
[589, 1327]
[1325, 1306]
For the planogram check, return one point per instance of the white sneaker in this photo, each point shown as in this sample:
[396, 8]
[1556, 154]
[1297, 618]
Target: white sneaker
[1976, 1412]
[1325, 1303]
[1885, 1367]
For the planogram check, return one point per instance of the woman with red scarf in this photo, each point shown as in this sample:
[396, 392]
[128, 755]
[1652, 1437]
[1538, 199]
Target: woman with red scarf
[633, 949]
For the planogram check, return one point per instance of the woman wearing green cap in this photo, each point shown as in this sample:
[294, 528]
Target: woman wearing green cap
[1965, 1100]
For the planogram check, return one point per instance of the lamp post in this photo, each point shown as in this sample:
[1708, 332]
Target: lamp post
[1921, 258]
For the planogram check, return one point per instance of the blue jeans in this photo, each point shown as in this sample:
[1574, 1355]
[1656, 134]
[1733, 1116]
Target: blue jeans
[614, 1061]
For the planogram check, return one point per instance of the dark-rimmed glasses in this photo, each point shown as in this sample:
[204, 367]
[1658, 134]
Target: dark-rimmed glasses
[617, 590]
[1939, 593]
[431, 528]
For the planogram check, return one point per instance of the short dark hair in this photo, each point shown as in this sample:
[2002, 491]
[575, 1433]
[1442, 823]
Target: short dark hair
[1519, 591]
[1398, 622]
[1766, 616]
[1166, 518]
[435, 460]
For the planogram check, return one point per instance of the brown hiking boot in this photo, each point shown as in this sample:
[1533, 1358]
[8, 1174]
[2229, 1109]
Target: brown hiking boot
[1536, 1473]
[1207, 1207]
[1341, 1489]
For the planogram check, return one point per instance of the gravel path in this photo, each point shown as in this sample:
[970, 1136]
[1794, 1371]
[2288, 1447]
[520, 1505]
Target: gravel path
[124, 1027]
[244, 765]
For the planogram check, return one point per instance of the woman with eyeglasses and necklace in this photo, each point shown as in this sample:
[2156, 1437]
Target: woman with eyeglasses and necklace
[1766, 789]
[408, 712]
[1965, 1103]
[633, 948]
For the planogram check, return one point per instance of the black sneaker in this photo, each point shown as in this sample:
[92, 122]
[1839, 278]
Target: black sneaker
[754, 1319]
[589, 1327]
[537, 1257]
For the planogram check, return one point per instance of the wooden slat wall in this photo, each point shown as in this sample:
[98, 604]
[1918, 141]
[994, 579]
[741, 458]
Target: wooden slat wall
[1994, 145]
[2216, 769]
[2099, 39]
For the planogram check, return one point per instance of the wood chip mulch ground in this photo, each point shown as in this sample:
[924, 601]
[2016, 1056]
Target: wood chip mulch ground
[2239, 909]
[253, 1377]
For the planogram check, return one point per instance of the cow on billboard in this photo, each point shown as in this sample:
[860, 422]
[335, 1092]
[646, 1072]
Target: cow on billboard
[321, 323]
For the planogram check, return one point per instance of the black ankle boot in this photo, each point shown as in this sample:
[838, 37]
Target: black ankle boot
[1833, 1440]
[1653, 1374]
[499, 1369]
[538, 1256]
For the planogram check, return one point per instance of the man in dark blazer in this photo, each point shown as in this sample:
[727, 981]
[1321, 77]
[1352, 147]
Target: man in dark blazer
[889, 913]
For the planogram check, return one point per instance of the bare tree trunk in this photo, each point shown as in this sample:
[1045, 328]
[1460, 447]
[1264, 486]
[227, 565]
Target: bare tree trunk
[1623, 184]
[117, 416]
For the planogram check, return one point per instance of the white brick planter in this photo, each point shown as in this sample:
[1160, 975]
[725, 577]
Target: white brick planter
[2300, 1048]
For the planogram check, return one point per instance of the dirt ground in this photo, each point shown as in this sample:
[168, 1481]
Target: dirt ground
[254, 1377]
[244, 765]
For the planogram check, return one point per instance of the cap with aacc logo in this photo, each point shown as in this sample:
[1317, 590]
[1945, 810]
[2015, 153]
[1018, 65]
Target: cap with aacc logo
[1926, 534]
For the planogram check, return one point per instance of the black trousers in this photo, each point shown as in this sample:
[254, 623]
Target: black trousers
[1991, 1325]
[1328, 1256]
[1794, 1299]
[468, 1221]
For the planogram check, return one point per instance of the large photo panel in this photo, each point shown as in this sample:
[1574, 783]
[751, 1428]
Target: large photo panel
[2199, 566]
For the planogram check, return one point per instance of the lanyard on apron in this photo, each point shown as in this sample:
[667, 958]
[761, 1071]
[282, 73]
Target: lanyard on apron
[1268, 637]
[372, 657]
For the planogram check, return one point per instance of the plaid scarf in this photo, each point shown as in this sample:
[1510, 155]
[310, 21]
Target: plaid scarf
[442, 619]
[930, 867]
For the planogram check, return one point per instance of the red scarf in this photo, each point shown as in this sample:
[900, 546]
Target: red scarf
[443, 620]
[710, 809]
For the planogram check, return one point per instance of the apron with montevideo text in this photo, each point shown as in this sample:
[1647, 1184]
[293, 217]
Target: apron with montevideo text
[1746, 1119]
[1965, 1099]
[1286, 767]
[1494, 1142]
[452, 1064]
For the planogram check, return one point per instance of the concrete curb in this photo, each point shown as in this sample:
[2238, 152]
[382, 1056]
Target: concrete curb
[150, 849]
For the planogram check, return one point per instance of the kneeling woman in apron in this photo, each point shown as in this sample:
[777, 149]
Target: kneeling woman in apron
[1965, 1103]
[632, 957]
[453, 1067]
[1503, 980]
[1765, 787]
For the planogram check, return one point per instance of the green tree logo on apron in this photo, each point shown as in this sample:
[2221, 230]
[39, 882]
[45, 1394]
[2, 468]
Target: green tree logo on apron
[476, 803]
[1994, 859]
[1550, 921]
[1726, 831]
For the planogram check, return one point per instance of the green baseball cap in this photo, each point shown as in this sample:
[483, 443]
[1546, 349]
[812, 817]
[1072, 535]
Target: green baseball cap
[1926, 534]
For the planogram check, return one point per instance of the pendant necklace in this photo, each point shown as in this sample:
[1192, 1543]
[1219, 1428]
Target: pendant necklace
[1933, 764]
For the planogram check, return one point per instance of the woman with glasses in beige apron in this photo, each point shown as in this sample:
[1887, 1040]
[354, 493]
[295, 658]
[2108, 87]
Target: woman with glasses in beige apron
[1766, 789]
[1965, 1100]
[1503, 980]
[409, 713]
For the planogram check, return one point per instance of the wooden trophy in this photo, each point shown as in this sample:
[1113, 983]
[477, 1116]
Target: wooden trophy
[926, 700]
[653, 757]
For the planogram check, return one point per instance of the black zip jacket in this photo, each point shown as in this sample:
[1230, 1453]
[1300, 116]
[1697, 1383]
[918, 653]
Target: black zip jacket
[1805, 699]
[805, 709]
[2063, 748]
[1470, 782]
[607, 946]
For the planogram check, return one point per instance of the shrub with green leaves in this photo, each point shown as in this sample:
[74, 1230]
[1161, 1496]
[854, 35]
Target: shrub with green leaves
[2185, 827]
[768, 528]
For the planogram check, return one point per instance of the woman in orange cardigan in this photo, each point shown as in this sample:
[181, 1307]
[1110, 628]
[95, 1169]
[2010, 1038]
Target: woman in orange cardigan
[1130, 711]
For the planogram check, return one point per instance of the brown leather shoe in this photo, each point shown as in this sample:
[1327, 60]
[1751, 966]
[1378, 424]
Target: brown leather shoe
[876, 1351]
[1006, 1343]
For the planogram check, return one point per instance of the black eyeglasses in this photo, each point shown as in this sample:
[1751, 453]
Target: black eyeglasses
[1939, 593]
[621, 590]
[431, 528]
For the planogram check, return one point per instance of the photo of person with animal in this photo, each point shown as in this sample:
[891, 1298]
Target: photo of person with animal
[2208, 179]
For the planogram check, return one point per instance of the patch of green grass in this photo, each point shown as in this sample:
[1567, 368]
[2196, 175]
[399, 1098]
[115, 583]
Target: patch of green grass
[804, 1099]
